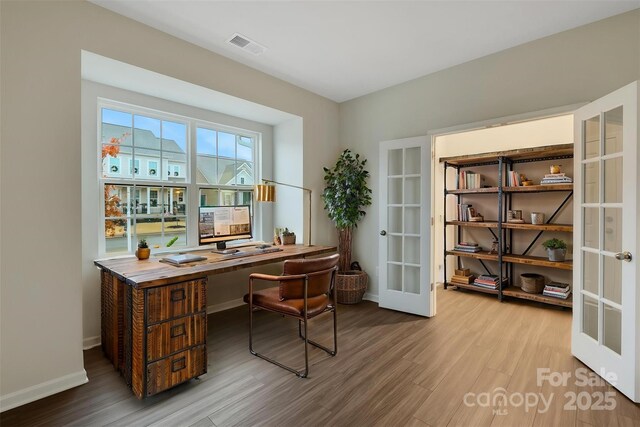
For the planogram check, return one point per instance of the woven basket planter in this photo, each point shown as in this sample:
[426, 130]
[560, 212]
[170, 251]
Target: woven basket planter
[351, 286]
[532, 283]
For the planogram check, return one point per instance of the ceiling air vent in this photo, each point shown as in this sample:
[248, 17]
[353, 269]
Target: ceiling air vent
[246, 44]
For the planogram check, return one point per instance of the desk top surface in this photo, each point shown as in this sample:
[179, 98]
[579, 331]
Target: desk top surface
[152, 272]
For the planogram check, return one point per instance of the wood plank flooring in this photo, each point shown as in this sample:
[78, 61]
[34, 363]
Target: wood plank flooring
[392, 369]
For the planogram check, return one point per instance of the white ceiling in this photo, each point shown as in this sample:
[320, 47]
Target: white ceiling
[345, 49]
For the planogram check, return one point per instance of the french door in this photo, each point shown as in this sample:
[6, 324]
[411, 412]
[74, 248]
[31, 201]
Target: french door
[405, 232]
[606, 318]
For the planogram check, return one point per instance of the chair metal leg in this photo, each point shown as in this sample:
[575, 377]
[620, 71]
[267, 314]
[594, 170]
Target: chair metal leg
[320, 346]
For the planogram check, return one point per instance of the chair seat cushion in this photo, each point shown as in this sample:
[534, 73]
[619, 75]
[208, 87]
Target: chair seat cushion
[270, 299]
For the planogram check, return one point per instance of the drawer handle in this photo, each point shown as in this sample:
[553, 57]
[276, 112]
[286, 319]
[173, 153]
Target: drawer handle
[177, 295]
[178, 330]
[179, 364]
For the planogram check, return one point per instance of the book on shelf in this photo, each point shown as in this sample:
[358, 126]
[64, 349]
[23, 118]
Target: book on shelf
[465, 212]
[514, 179]
[468, 180]
[555, 175]
[490, 281]
[556, 294]
[556, 180]
[558, 287]
[464, 248]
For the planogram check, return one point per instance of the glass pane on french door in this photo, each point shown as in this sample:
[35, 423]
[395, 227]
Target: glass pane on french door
[403, 209]
[601, 212]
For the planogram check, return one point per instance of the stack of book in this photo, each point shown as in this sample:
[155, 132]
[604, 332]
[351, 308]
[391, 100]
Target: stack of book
[467, 247]
[465, 212]
[469, 180]
[557, 290]
[490, 281]
[556, 178]
[463, 277]
[514, 179]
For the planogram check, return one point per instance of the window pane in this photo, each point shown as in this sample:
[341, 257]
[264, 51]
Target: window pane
[174, 137]
[244, 175]
[208, 197]
[116, 127]
[116, 200]
[226, 172]
[174, 166]
[206, 141]
[207, 170]
[592, 137]
[226, 145]
[245, 148]
[117, 235]
[146, 132]
[148, 164]
[228, 197]
[613, 131]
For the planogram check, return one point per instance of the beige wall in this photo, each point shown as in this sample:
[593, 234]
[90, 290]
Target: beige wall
[567, 68]
[42, 313]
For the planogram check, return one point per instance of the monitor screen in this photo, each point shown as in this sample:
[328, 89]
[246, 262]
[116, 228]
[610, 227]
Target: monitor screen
[219, 224]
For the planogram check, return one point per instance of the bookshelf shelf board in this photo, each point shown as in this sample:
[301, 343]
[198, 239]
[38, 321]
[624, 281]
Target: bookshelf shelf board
[537, 261]
[476, 255]
[543, 227]
[539, 188]
[516, 292]
[486, 190]
[485, 224]
[518, 155]
[474, 288]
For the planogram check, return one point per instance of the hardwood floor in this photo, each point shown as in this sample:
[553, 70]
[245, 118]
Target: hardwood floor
[391, 369]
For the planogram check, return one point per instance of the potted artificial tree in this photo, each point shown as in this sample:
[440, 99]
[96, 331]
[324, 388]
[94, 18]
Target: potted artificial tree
[345, 195]
[556, 249]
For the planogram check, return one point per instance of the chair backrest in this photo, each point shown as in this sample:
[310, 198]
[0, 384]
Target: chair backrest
[321, 272]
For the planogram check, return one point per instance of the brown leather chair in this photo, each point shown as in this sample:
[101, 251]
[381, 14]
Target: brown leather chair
[306, 289]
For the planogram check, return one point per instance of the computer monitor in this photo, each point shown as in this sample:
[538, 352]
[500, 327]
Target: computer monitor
[220, 224]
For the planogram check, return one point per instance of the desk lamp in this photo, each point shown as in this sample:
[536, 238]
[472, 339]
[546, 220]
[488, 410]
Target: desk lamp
[266, 192]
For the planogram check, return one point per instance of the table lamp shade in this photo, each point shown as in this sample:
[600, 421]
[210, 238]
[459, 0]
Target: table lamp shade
[265, 193]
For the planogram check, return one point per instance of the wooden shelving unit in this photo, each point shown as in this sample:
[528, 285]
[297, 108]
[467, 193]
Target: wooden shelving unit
[502, 230]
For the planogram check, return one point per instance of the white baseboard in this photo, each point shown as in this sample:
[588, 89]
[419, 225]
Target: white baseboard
[91, 342]
[38, 391]
[371, 297]
[225, 305]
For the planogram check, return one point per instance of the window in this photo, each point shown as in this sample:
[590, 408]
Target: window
[152, 203]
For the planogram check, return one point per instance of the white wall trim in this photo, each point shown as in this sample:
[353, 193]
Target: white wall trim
[506, 120]
[90, 342]
[38, 391]
[225, 305]
[371, 297]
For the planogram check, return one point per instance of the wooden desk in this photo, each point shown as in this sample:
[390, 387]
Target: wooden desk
[153, 314]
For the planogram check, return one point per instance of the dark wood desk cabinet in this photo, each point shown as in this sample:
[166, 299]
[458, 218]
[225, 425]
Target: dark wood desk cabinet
[154, 315]
[155, 336]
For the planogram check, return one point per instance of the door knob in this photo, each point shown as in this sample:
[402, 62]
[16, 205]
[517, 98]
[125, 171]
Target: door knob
[624, 256]
[383, 233]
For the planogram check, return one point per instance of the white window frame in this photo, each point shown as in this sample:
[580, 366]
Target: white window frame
[192, 188]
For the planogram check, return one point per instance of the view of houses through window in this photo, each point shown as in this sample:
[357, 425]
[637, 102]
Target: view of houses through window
[146, 174]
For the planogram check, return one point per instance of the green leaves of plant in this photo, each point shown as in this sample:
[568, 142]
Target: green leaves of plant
[346, 191]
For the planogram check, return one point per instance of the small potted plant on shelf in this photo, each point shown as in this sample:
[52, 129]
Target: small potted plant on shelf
[556, 249]
[288, 237]
[143, 251]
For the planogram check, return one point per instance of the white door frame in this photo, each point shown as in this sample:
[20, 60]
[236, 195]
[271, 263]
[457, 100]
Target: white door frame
[436, 272]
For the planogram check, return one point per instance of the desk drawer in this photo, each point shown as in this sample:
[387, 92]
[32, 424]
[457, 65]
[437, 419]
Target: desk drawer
[168, 302]
[175, 335]
[171, 371]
